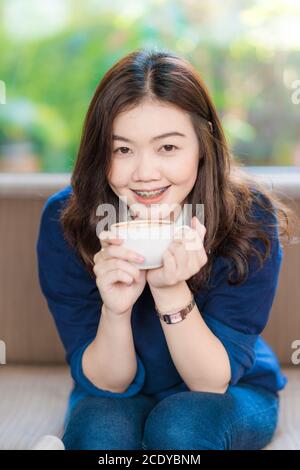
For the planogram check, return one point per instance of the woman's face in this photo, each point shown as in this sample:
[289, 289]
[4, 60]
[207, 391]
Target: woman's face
[143, 158]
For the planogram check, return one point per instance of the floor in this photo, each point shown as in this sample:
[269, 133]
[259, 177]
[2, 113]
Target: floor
[33, 403]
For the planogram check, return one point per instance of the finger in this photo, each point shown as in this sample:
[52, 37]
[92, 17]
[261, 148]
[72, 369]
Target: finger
[189, 238]
[108, 238]
[114, 263]
[193, 238]
[179, 252]
[182, 233]
[169, 265]
[114, 251]
[200, 228]
[118, 275]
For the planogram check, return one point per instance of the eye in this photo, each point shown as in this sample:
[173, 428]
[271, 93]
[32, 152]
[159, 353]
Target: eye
[169, 147]
[121, 148]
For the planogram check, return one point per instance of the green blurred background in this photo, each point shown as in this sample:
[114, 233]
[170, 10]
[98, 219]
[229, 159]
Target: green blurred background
[53, 53]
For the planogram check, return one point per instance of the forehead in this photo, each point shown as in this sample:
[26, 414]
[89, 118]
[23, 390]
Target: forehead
[150, 119]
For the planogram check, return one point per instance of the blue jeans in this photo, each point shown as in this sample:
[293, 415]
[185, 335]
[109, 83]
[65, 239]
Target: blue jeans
[245, 417]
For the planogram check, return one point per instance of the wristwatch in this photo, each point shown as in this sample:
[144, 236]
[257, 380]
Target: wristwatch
[176, 317]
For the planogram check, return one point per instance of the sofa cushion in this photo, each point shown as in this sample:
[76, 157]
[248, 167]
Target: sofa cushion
[287, 434]
[33, 401]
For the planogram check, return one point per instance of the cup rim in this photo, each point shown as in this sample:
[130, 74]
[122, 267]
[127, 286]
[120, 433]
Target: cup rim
[146, 222]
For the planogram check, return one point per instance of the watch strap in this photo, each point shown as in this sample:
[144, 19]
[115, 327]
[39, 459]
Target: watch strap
[177, 316]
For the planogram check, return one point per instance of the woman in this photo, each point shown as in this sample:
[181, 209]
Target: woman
[209, 381]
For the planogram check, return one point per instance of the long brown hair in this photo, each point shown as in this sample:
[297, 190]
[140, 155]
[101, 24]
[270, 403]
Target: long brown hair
[225, 189]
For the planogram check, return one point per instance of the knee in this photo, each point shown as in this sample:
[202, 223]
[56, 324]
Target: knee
[187, 421]
[101, 423]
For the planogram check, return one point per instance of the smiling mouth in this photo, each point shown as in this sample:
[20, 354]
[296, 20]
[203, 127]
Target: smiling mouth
[150, 194]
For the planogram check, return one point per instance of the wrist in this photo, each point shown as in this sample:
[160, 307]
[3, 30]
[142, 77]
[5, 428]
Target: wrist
[171, 297]
[110, 323]
[110, 314]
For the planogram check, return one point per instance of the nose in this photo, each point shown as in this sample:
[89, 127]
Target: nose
[147, 168]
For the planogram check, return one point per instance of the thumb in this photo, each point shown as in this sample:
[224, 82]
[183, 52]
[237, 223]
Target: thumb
[200, 228]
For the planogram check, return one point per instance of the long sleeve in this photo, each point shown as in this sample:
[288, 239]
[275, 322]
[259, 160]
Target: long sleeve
[72, 296]
[238, 314]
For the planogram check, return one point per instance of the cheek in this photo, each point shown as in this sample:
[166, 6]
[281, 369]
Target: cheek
[118, 175]
[182, 173]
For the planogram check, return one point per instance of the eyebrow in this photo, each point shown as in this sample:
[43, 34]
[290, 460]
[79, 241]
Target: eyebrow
[167, 134]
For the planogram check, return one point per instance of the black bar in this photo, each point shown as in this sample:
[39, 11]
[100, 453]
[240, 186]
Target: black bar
[133, 459]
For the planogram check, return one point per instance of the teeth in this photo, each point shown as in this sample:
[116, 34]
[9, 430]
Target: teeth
[150, 193]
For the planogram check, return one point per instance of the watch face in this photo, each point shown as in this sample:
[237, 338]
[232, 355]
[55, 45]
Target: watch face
[173, 318]
[177, 316]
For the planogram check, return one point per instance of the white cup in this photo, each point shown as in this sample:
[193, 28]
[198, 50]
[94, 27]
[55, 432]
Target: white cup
[49, 442]
[149, 239]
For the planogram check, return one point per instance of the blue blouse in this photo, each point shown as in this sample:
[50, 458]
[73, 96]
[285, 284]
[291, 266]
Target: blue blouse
[235, 314]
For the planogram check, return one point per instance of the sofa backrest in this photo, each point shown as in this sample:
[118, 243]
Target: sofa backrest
[26, 326]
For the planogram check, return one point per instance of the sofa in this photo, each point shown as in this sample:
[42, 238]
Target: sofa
[35, 381]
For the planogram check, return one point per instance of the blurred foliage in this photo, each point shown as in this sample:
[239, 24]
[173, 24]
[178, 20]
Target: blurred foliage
[51, 77]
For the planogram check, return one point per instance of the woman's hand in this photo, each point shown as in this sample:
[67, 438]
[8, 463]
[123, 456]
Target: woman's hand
[184, 257]
[120, 283]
